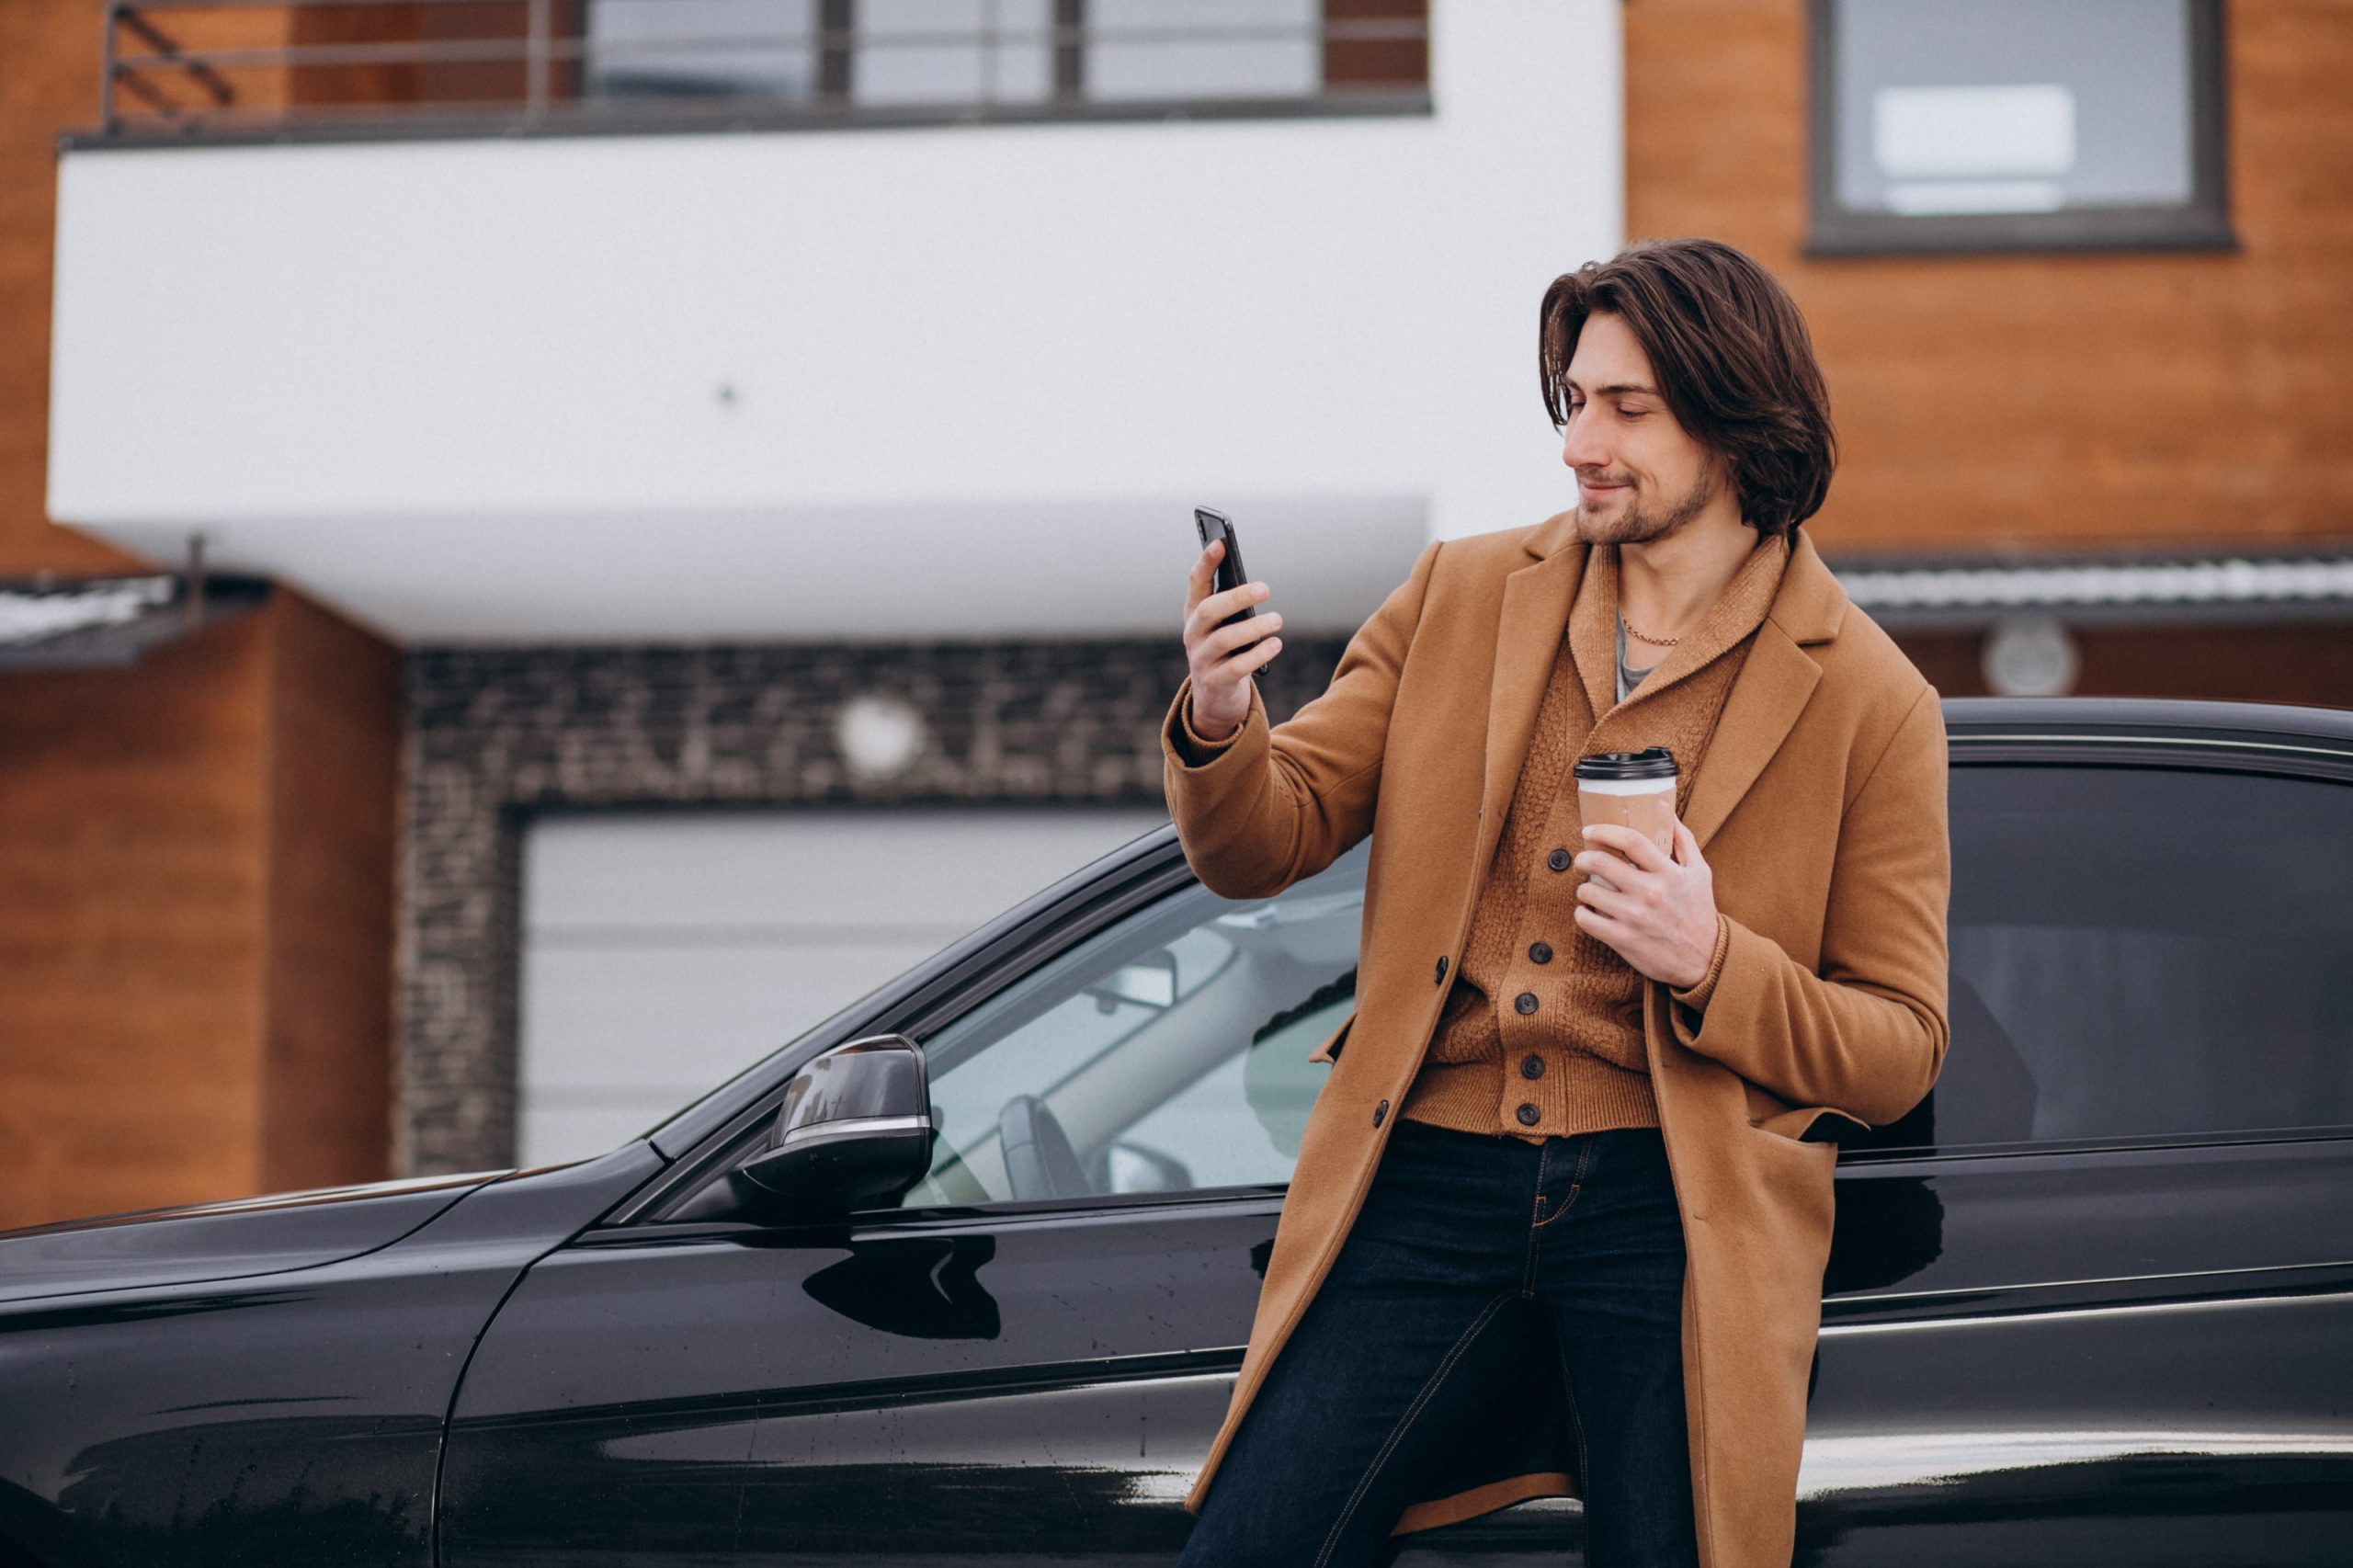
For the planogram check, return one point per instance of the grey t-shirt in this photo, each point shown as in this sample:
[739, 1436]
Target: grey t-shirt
[1628, 680]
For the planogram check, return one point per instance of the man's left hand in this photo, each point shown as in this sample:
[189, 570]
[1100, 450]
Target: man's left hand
[1659, 915]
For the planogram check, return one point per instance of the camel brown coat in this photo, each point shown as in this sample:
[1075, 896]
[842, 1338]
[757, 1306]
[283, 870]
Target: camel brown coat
[1820, 805]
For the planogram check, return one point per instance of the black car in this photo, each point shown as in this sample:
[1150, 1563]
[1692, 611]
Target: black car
[965, 1273]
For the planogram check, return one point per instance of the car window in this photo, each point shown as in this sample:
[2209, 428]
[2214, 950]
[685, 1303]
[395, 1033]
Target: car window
[1168, 1052]
[2143, 951]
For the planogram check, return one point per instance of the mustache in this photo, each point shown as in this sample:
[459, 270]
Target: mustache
[1605, 478]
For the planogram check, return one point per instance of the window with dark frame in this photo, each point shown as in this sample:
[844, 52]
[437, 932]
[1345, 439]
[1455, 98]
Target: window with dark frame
[1992, 125]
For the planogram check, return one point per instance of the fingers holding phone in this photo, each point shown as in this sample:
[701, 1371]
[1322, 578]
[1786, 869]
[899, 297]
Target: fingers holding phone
[1227, 641]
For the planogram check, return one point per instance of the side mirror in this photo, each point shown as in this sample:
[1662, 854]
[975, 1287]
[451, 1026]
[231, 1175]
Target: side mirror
[854, 1132]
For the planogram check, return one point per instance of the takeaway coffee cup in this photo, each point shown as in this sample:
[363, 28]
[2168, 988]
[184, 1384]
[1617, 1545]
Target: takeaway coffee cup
[1632, 788]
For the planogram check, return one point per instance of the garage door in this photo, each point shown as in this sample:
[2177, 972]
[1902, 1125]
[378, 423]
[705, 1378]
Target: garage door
[662, 952]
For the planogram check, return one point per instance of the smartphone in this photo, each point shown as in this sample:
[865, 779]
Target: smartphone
[1214, 524]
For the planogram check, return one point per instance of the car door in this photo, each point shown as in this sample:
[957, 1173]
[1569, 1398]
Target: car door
[1027, 1356]
[2090, 1302]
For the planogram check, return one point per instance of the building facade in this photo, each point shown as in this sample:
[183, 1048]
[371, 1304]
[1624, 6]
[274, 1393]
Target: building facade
[658, 514]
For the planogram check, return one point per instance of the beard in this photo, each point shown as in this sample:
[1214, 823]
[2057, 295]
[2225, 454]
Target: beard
[1641, 525]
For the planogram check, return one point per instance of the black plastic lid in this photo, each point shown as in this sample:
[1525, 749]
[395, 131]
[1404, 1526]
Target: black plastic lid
[1651, 762]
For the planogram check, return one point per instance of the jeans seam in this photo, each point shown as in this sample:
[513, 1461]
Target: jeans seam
[1405, 1421]
[1535, 1217]
[1576, 1421]
[1576, 1184]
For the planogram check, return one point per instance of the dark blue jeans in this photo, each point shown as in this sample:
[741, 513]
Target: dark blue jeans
[1469, 1249]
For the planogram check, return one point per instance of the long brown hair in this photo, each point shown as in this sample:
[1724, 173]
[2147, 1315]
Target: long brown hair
[1733, 357]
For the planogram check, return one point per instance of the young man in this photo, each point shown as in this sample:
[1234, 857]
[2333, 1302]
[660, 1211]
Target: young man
[1560, 1211]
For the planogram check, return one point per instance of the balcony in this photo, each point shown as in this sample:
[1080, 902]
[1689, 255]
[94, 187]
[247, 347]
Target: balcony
[222, 69]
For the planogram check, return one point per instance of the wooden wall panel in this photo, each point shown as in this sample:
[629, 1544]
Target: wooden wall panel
[2039, 398]
[133, 830]
[196, 918]
[334, 781]
[501, 84]
[1391, 63]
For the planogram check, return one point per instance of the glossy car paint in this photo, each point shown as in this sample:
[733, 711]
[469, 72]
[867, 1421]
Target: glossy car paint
[945, 1384]
[2129, 1353]
[292, 1418]
[219, 1241]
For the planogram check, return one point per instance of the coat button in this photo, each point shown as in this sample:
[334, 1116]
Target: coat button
[1532, 1066]
[1529, 1116]
[1378, 1111]
[1558, 859]
[1525, 1001]
[1442, 971]
[1540, 951]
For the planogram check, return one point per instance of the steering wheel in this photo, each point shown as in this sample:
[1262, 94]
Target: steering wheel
[1039, 1160]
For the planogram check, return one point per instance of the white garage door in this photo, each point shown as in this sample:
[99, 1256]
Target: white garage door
[662, 952]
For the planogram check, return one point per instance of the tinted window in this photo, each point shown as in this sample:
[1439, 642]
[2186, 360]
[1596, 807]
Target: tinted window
[2140, 951]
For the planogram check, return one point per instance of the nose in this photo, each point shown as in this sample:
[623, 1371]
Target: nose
[1579, 447]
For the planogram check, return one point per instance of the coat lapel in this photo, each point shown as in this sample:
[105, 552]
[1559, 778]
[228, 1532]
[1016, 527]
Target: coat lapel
[1762, 707]
[1770, 691]
[1527, 638]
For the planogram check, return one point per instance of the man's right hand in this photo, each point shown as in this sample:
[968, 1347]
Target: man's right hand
[1223, 658]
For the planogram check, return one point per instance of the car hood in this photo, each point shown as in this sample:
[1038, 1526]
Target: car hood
[221, 1241]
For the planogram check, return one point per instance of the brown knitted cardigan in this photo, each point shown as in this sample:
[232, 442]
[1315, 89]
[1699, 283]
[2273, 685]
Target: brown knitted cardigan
[1541, 1033]
[1577, 1058]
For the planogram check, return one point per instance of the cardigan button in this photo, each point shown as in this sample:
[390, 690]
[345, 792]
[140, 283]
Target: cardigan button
[1525, 1001]
[1532, 1066]
[1558, 859]
[1378, 1111]
[1540, 951]
[1528, 1115]
[1442, 971]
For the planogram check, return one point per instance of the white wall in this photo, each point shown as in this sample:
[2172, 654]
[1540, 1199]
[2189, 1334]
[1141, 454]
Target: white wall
[471, 389]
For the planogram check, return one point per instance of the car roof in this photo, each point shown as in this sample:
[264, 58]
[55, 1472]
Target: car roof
[2150, 714]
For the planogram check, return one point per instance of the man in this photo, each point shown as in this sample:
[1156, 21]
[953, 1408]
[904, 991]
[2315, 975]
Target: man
[1560, 1211]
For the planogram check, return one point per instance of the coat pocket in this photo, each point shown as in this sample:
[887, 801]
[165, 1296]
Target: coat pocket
[1330, 1049]
[1814, 1124]
[1805, 1123]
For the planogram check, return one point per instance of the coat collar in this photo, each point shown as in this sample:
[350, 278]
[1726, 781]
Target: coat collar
[1774, 683]
[1810, 606]
[1593, 627]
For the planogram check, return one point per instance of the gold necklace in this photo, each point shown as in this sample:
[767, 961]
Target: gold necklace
[1662, 642]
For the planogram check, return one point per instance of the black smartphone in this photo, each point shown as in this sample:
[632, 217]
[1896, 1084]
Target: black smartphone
[1214, 524]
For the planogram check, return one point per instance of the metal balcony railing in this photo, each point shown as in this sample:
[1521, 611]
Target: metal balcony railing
[241, 68]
